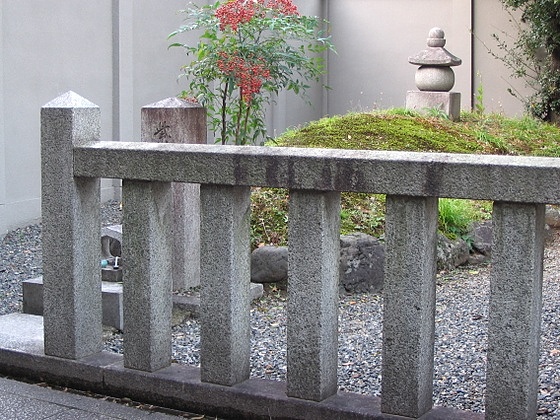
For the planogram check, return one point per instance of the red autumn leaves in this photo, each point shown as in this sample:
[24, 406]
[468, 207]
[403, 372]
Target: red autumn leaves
[249, 73]
[235, 12]
[248, 76]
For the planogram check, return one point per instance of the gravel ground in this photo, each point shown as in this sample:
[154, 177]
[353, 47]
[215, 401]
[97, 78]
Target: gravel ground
[461, 322]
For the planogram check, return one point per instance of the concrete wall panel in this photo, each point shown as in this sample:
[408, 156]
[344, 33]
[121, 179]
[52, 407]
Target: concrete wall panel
[490, 17]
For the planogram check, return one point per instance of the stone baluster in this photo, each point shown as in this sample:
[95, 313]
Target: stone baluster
[70, 235]
[515, 311]
[409, 305]
[313, 259]
[147, 285]
[225, 282]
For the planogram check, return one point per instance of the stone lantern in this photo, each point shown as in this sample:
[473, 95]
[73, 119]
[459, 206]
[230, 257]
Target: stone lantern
[435, 78]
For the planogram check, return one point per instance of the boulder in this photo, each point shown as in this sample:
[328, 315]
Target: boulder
[362, 262]
[451, 253]
[362, 259]
[269, 264]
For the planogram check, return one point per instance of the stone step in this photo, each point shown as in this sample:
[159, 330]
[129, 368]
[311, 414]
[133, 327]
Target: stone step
[112, 301]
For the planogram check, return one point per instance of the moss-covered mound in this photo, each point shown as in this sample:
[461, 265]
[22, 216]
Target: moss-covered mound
[402, 130]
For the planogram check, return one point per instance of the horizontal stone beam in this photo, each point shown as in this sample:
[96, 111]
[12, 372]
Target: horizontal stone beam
[481, 177]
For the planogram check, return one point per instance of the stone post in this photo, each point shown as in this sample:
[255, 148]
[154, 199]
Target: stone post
[515, 311]
[435, 78]
[175, 120]
[409, 305]
[313, 259]
[70, 237]
[147, 284]
[225, 282]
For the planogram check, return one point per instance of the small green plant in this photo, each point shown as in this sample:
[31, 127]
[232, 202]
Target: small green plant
[479, 97]
[496, 143]
[456, 216]
[436, 112]
[248, 51]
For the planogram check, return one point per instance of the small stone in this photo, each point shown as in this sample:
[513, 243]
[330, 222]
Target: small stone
[451, 253]
[552, 217]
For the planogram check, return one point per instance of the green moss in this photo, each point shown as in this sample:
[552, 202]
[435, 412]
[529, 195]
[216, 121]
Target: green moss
[401, 130]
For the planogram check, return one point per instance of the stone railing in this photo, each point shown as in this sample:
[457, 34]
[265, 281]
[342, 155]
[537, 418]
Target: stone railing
[74, 161]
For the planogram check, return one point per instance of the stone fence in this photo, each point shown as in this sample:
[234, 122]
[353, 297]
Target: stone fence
[74, 161]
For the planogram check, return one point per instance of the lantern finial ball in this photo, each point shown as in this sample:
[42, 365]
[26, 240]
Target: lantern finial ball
[436, 37]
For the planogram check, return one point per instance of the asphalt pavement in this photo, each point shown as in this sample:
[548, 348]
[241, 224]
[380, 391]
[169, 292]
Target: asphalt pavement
[22, 401]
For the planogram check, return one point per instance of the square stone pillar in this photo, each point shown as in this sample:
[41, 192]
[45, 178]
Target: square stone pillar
[174, 120]
[70, 237]
[515, 311]
[313, 260]
[147, 284]
[225, 301]
[409, 297]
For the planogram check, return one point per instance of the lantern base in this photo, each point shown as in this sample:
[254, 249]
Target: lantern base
[425, 102]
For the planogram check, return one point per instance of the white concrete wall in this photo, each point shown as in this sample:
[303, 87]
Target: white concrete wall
[114, 53]
[491, 18]
[48, 47]
[374, 40]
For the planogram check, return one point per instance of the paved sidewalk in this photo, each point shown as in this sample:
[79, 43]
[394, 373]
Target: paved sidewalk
[22, 401]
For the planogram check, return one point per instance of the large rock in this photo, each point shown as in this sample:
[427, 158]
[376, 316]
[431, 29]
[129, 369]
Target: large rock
[451, 253]
[269, 264]
[552, 216]
[362, 259]
[481, 234]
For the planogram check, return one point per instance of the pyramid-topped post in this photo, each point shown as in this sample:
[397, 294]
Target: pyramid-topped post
[70, 234]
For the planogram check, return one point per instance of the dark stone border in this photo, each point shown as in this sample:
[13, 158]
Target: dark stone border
[179, 387]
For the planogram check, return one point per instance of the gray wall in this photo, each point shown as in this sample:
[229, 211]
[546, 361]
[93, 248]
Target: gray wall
[114, 53]
[491, 18]
[374, 40]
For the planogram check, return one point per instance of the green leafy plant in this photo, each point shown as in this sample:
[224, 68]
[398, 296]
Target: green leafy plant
[533, 54]
[248, 51]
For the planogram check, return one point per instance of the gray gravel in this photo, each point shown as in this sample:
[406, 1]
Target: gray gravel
[461, 322]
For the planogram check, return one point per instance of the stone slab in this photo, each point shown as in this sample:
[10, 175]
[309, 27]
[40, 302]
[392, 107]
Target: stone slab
[22, 332]
[111, 301]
